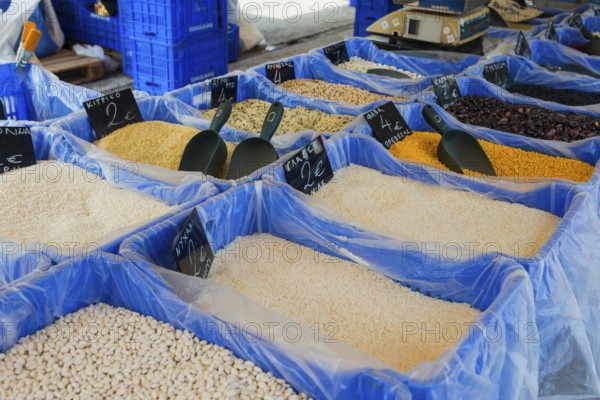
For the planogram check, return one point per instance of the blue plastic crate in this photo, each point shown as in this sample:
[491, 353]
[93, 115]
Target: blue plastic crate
[233, 37]
[79, 22]
[369, 11]
[158, 68]
[362, 23]
[172, 21]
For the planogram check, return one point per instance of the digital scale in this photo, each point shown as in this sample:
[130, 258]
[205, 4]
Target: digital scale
[436, 26]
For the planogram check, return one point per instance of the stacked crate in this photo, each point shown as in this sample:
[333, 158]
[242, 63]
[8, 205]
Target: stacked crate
[173, 43]
[369, 11]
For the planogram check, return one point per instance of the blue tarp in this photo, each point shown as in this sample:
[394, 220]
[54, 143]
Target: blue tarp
[564, 272]
[36, 95]
[74, 134]
[254, 86]
[474, 368]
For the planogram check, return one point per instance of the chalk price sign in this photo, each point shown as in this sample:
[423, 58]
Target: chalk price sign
[16, 148]
[387, 124]
[111, 112]
[446, 90]
[337, 53]
[223, 89]
[280, 72]
[309, 169]
[497, 73]
[191, 250]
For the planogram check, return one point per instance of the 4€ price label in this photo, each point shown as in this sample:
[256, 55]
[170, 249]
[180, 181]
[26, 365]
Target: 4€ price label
[191, 250]
[280, 72]
[309, 169]
[387, 124]
[111, 112]
[446, 90]
[16, 148]
[223, 89]
[497, 73]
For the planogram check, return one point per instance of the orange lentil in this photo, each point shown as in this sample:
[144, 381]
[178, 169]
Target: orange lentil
[421, 147]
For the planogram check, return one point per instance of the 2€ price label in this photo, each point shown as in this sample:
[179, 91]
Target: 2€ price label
[16, 148]
[337, 53]
[111, 112]
[2, 113]
[497, 73]
[192, 251]
[522, 48]
[280, 72]
[446, 90]
[223, 89]
[309, 169]
[387, 124]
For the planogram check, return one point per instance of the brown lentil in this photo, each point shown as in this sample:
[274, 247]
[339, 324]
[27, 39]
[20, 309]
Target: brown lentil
[153, 142]
[508, 161]
[248, 115]
[334, 91]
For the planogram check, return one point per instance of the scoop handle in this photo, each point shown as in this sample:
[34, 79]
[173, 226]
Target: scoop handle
[221, 116]
[434, 119]
[272, 121]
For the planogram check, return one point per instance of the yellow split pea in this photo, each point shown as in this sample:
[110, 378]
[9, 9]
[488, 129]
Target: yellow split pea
[421, 147]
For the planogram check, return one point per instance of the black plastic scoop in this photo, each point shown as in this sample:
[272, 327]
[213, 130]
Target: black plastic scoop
[388, 72]
[457, 149]
[206, 152]
[570, 67]
[254, 153]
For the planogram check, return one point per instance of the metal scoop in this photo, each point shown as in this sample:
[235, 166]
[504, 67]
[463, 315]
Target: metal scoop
[254, 153]
[206, 152]
[388, 72]
[457, 149]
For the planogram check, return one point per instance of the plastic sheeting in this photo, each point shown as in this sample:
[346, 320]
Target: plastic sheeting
[37, 95]
[23, 258]
[426, 63]
[254, 86]
[474, 368]
[524, 71]
[317, 67]
[74, 134]
[564, 272]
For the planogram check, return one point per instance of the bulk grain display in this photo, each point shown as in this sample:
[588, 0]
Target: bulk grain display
[356, 306]
[427, 213]
[249, 115]
[524, 119]
[333, 92]
[106, 352]
[58, 203]
[358, 64]
[421, 147]
[154, 142]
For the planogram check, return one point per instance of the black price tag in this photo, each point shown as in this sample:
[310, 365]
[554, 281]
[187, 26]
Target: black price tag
[191, 250]
[2, 113]
[387, 124]
[280, 72]
[309, 169]
[522, 48]
[337, 53]
[16, 148]
[497, 73]
[446, 90]
[111, 112]
[597, 12]
[223, 89]
[575, 21]
[551, 33]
